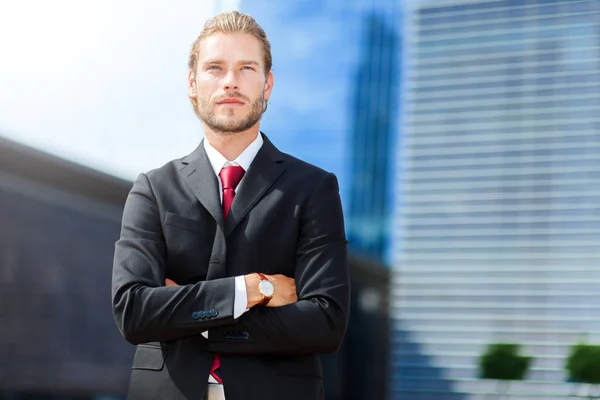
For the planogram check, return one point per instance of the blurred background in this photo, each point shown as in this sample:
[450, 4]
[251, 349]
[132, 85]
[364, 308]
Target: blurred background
[465, 135]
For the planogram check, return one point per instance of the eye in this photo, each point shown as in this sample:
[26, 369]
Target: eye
[248, 67]
[214, 68]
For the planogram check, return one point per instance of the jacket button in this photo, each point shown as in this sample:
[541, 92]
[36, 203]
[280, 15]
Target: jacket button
[196, 315]
[202, 314]
[214, 313]
[245, 335]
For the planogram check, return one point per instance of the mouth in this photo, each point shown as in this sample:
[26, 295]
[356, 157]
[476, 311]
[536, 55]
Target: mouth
[231, 102]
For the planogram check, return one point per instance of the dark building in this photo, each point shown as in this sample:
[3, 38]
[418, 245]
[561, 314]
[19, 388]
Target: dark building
[58, 225]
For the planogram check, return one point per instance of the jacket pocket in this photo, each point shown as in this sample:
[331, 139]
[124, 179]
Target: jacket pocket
[149, 357]
[185, 223]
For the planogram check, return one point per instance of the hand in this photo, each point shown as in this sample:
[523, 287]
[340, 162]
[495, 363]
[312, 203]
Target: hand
[284, 294]
[285, 290]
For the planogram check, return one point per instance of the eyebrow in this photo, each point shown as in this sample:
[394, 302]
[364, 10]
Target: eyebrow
[242, 62]
[245, 62]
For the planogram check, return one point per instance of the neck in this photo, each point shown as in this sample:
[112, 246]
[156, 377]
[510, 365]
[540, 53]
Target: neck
[231, 145]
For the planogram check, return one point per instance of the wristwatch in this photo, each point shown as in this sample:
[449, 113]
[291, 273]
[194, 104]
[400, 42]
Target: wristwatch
[265, 288]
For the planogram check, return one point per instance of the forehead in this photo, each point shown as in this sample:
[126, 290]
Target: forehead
[230, 47]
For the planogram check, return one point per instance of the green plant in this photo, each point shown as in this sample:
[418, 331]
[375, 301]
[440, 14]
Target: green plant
[502, 362]
[583, 364]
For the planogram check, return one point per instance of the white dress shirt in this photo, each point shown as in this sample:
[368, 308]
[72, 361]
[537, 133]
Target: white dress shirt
[218, 162]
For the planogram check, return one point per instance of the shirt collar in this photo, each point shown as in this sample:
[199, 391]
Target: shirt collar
[218, 161]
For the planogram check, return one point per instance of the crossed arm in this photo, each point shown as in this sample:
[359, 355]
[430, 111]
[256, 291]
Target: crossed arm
[307, 315]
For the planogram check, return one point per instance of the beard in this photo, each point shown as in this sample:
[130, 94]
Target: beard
[230, 124]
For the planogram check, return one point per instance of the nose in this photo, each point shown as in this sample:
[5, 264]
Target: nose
[231, 81]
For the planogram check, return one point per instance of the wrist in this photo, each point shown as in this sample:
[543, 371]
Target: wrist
[266, 289]
[252, 291]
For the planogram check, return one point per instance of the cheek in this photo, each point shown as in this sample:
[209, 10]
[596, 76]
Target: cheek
[206, 87]
[256, 90]
[206, 94]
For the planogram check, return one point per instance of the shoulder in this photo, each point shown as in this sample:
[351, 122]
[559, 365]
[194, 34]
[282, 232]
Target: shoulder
[307, 174]
[166, 174]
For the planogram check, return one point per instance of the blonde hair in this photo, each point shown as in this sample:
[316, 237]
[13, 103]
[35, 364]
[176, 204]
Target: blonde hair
[232, 22]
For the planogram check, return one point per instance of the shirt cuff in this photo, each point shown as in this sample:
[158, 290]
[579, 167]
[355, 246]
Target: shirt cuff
[240, 301]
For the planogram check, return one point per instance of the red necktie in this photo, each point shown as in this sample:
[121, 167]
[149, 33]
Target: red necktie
[230, 178]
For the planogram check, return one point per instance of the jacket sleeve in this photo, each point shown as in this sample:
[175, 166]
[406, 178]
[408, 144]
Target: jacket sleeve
[316, 323]
[144, 309]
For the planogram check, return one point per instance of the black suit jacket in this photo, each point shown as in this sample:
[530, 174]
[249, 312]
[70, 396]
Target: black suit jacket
[286, 218]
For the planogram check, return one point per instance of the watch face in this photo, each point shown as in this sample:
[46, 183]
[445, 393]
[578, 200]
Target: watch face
[266, 288]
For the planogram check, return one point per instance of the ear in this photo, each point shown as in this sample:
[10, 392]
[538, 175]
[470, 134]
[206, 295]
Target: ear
[268, 85]
[192, 91]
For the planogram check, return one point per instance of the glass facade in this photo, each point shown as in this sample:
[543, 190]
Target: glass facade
[335, 101]
[497, 239]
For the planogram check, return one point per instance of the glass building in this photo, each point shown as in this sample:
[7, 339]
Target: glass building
[497, 239]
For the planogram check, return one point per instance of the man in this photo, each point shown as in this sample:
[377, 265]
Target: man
[230, 274]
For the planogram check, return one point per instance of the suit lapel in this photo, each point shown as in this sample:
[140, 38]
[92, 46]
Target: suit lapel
[201, 179]
[263, 172]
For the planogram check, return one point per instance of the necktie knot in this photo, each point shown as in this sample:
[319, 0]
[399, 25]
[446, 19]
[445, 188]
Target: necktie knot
[231, 176]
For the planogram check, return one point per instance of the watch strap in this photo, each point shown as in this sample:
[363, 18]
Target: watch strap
[265, 299]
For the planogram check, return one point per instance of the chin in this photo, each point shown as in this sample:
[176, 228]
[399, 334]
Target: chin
[229, 127]
[231, 120]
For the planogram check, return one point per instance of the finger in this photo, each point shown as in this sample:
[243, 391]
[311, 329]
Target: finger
[169, 282]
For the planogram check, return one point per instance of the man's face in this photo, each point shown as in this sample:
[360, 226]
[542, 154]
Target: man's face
[230, 85]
